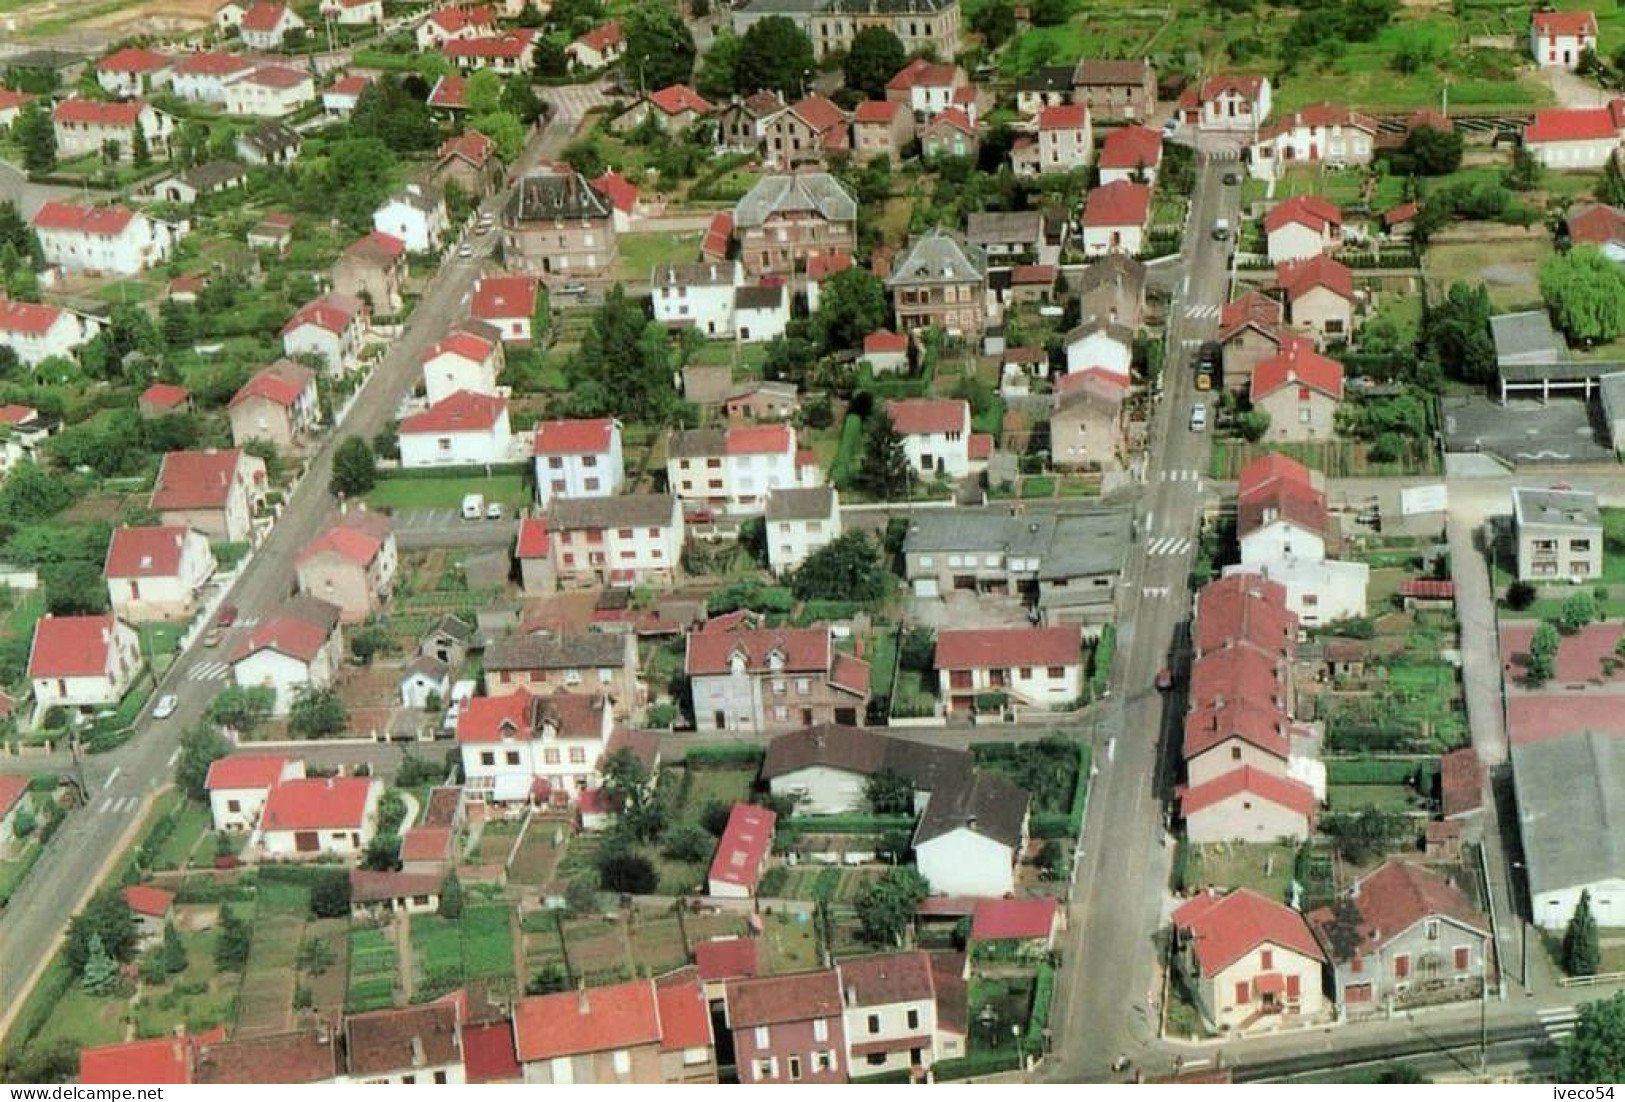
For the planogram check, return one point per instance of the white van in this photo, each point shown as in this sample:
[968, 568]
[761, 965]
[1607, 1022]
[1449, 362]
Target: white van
[1198, 417]
[473, 506]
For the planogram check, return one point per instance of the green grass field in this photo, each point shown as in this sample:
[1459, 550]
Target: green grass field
[447, 493]
[1267, 869]
[639, 253]
[1384, 797]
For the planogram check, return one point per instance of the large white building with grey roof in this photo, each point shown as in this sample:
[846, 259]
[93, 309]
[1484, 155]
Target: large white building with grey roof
[787, 219]
[940, 283]
[1571, 814]
[1559, 534]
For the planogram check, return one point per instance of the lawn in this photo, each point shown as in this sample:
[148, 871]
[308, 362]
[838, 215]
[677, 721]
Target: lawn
[790, 944]
[1509, 269]
[724, 785]
[1383, 797]
[487, 939]
[373, 967]
[1337, 458]
[640, 253]
[1266, 869]
[190, 825]
[447, 493]
[159, 642]
[882, 654]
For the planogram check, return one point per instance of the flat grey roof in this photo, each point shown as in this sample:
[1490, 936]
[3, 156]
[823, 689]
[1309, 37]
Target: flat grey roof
[1572, 508]
[1571, 809]
[1067, 545]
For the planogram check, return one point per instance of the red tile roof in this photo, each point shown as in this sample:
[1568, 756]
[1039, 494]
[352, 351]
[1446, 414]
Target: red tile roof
[195, 479]
[1574, 124]
[1598, 225]
[594, 1019]
[12, 788]
[1236, 673]
[677, 98]
[521, 716]
[1392, 900]
[352, 85]
[1227, 928]
[533, 539]
[26, 318]
[1254, 308]
[577, 437]
[877, 111]
[1428, 589]
[718, 234]
[1570, 23]
[378, 245]
[827, 264]
[133, 60]
[1065, 116]
[726, 958]
[71, 646]
[1245, 608]
[919, 416]
[296, 632]
[983, 648]
[1461, 782]
[333, 312]
[319, 803]
[507, 45]
[149, 552]
[1246, 85]
[165, 396]
[245, 771]
[73, 218]
[162, 1060]
[263, 17]
[210, 63]
[1295, 503]
[760, 440]
[356, 544]
[804, 650]
[148, 901]
[1303, 210]
[602, 37]
[1316, 116]
[1298, 277]
[621, 192]
[1298, 364]
[1131, 147]
[88, 112]
[922, 73]
[1398, 216]
[488, 1054]
[450, 92]
[744, 846]
[1214, 724]
[849, 673]
[819, 113]
[460, 342]
[426, 843]
[282, 383]
[1282, 791]
[1267, 469]
[885, 341]
[778, 1000]
[464, 411]
[1119, 203]
[501, 297]
[685, 1016]
[955, 118]
[10, 99]
[277, 76]
[1013, 919]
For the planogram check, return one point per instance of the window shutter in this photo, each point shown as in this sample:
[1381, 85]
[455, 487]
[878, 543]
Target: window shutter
[1244, 994]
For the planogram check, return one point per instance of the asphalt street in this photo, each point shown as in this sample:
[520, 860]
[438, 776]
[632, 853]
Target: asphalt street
[120, 783]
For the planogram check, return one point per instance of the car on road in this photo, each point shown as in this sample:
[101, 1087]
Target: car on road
[1165, 679]
[473, 506]
[573, 289]
[1221, 230]
[465, 251]
[212, 637]
[1231, 179]
[1198, 417]
[226, 616]
[165, 707]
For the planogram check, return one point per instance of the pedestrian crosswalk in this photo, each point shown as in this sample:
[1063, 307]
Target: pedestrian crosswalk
[1190, 342]
[1202, 310]
[1168, 545]
[1224, 153]
[1184, 474]
[1154, 591]
[1558, 1021]
[208, 671]
[118, 805]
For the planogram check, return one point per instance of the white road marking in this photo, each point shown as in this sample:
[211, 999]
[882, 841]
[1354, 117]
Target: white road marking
[207, 671]
[1154, 591]
[1111, 749]
[106, 805]
[111, 777]
[1205, 310]
[171, 762]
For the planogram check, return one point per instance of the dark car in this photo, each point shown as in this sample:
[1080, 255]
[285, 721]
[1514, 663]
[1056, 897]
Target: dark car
[1165, 679]
[227, 616]
[1232, 179]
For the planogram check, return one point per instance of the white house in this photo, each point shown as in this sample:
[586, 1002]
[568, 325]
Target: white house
[331, 328]
[1101, 344]
[202, 77]
[761, 313]
[1065, 138]
[799, 522]
[522, 746]
[238, 785]
[734, 468]
[698, 296]
[266, 24]
[12, 104]
[82, 661]
[886, 352]
[314, 816]
[340, 97]
[451, 24]
[1319, 591]
[271, 91]
[84, 126]
[578, 459]
[132, 72]
[1321, 134]
[601, 46]
[936, 434]
[155, 573]
[37, 332]
[1036, 666]
[112, 239]
[353, 13]
[462, 360]
[507, 52]
[425, 680]
[1301, 227]
[890, 1015]
[1132, 154]
[298, 647]
[1558, 39]
[464, 429]
[508, 304]
[1232, 103]
[417, 216]
[1115, 218]
[970, 836]
[1280, 512]
[1576, 137]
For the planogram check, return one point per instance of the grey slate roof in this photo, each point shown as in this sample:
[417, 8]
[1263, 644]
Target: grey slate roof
[1077, 544]
[1571, 809]
[272, 137]
[1087, 544]
[427, 665]
[1566, 508]
[1526, 338]
[635, 510]
[812, 503]
[697, 443]
[453, 627]
[1047, 78]
[803, 191]
[555, 652]
[1612, 387]
[759, 297]
[856, 750]
[939, 256]
[998, 227]
[213, 174]
[989, 805]
[702, 274]
[545, 196]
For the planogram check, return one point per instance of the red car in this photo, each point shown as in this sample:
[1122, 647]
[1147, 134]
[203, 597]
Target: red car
[1165, 679]
[227, 616]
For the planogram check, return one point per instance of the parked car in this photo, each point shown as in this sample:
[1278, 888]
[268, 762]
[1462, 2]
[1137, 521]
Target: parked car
[493, 511]
[473, 506]
[1221, 230]
[226, 616]
[1198, 417]
[165, 707]
[1165, 679]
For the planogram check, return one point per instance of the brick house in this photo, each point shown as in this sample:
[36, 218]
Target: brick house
[806, 134]
[786, 220]
[351, 565]
[940, 282]
[789, 1028]
[278, 405]
[1116, 89]
[881, 128]
[471, 162]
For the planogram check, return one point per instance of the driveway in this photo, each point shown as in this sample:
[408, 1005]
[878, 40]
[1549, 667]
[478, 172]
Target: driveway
[1576, 91]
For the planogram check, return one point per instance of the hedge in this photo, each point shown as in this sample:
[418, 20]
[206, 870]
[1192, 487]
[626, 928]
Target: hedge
[846, 453]
[981, 1063]
[55, 982]
[1100, 664]
[442, 474]
[847, 824]
[44, 782]
[1043, 995]
[901, 1075]
[725, 753]
[1375, 770]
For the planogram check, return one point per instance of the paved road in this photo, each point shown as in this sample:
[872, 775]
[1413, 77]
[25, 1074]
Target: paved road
[1101, 1005]
[123, 780]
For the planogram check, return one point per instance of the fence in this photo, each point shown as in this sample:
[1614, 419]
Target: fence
[1592, 981]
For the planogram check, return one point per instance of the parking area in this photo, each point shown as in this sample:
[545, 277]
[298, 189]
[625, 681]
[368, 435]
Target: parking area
[1525, 433]
[421, 529]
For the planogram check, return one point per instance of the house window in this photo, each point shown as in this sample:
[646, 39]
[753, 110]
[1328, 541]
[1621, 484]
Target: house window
[765, 1069]
[233, 806]
[1402, 966]
[795, 1069]
[578, 756]
[820, 1030]
[762, 1036]
[551, 757]
[512, 757]
[1235, 753]
[914, 1019]
[1433, 929]
[1056, 672]
[875, 1059]
[874, 1023]
[1244, 994]
[1266, 959]
[488, 757]
[623, 1062]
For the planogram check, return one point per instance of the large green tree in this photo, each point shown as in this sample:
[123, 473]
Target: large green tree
[1586, 294]
[848, 568]
[35, 132]
[659, 46]
[385, 110]
[317, 712]
[622, 367]
[106, 918]
[1596, 1051]
[851, 305]
[201, 746]
[1456, 332]
[873, 59]
[884, 471]
[714, 78]
[355, 468]
[1582, 949]
[775, 55]
[1542, 654]
[886, 906]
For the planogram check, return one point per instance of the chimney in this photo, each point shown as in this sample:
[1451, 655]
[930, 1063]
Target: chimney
[970, 822]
